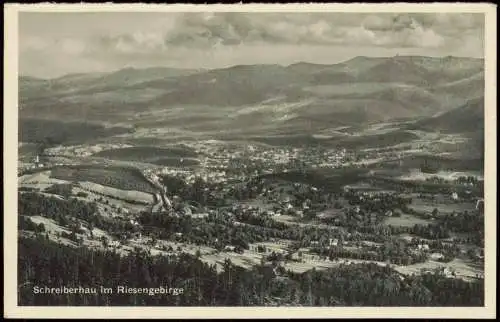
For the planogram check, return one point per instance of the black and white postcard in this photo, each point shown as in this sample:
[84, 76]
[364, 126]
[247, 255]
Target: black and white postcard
[237, 161]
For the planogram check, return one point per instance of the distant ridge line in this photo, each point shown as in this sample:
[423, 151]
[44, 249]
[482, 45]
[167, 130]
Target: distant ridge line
[249, 65]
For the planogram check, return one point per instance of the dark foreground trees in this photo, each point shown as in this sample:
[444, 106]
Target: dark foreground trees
[45, 263]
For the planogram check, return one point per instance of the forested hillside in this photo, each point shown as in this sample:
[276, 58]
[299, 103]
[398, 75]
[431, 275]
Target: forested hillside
[44, 263]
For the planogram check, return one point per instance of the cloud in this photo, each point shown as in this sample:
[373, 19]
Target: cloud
[392, 30]
[116, 39]
[208, 30]
[136, 42]
[33, 43]
[73, 46]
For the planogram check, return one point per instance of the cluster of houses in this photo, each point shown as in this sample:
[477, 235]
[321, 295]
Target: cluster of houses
[34, 164]
[219, 157]
[284, 207]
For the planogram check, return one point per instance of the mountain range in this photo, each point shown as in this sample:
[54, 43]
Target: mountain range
[269, 99]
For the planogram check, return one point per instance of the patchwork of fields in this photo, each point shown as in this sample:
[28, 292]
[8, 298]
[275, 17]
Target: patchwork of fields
[128, 195]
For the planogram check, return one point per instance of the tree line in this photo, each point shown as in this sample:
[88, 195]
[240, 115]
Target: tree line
[45, 263]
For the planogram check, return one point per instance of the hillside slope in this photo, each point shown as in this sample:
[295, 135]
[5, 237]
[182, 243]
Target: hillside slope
[468, 118]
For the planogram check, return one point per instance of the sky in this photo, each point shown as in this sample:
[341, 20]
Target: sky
[59, 43]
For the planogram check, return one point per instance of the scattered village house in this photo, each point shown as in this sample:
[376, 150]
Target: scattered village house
[423, 247]
[436, 256]
[334, 242]
[229, 248]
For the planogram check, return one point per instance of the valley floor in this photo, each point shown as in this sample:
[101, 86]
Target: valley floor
[296, 209]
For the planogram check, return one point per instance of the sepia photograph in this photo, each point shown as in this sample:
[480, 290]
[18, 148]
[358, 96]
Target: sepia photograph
[251, 156]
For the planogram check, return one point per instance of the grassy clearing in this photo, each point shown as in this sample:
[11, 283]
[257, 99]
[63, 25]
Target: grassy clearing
[246, 260]
[428, 206]
[39, 180]
[330, 212]
[109, 203]
[50, 225]
[304, 266]
[405, 221]
[118, 193]
[286, 219]
[299, 267]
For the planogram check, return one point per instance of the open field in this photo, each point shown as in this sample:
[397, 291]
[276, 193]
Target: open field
[116, 205]
[39, 180]
[128, 195]
[428, 206]
[329, 213]
[405, 221]
[246, 260]
[301, 267]
[286, 219]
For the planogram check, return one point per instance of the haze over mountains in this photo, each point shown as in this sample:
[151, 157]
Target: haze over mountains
[269, 99]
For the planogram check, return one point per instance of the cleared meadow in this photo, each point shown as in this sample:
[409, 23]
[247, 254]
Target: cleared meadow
[405, 221]
[129, 195]
[428, 206]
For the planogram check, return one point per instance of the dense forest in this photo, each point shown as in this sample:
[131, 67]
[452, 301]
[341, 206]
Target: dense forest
[33, 204]
[45, 263]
